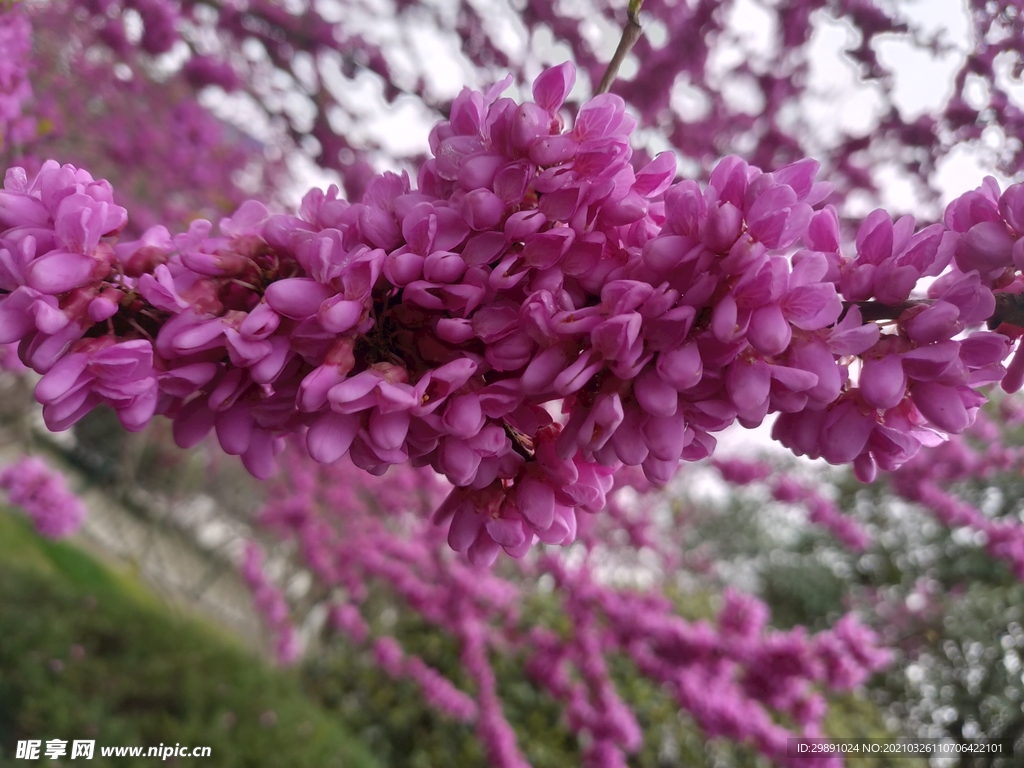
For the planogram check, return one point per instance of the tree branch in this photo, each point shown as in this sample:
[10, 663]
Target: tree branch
[630, 34]
[872, 311]
[1009, 310]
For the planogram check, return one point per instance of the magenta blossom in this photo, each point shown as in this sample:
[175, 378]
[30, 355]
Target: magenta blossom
[44, 496]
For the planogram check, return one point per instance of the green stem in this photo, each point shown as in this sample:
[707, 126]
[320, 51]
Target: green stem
[630, 34]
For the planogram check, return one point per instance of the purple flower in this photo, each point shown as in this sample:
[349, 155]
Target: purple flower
[43, 494]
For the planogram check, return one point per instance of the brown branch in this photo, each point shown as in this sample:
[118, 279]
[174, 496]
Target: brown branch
[521, 444]
[630, 34]
[1009, 310]
[872, 311]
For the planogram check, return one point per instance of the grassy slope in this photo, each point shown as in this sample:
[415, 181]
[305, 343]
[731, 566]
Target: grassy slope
[88, 653]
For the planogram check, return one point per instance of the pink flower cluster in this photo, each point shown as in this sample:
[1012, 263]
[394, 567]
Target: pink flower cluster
[735, 676]
[172, 159]
[42, 493]
[532, 266]
[730, 678]
[159, 25]
[271, 605]
[788, 490]
[930, 479]
[354, 530]
[16, 126]
[919, 382]
[437, 689]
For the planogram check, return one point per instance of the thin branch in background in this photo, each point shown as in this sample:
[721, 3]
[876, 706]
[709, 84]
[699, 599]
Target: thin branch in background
[630, 34]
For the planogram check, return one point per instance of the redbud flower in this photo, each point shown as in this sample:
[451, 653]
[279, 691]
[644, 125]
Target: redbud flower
[43, 494]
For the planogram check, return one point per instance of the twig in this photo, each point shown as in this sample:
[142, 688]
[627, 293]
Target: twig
[872, 311]
[630, 34]
[1009, 310]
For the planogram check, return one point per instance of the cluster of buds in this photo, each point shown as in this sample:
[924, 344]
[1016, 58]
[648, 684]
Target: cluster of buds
[532, 266]
[42, 493]
[270, 604]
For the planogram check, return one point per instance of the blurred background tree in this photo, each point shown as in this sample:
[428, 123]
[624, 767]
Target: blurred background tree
[191, 107]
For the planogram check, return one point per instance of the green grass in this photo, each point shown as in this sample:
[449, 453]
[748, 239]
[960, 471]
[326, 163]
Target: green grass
[89, 653]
